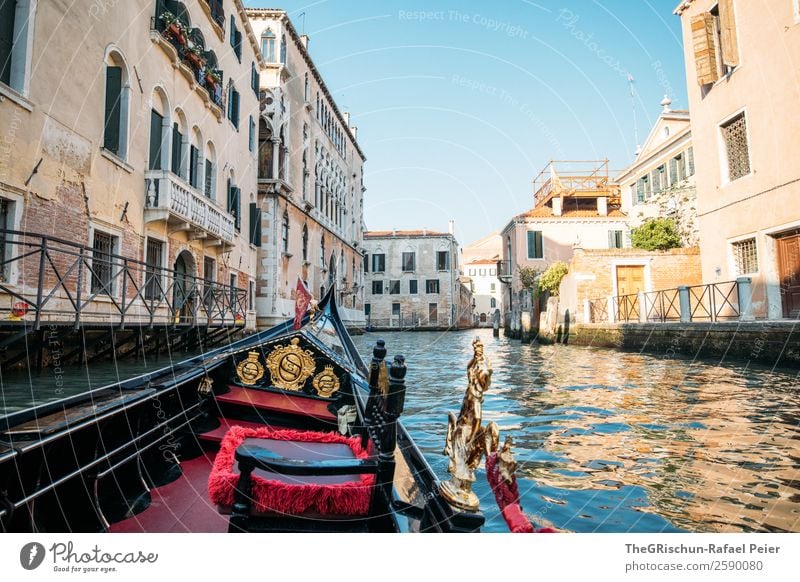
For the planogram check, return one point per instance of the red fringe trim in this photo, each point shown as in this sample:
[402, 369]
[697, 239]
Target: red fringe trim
[345, 499]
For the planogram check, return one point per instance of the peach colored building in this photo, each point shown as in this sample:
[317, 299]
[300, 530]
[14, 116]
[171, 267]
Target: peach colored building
[742, 75]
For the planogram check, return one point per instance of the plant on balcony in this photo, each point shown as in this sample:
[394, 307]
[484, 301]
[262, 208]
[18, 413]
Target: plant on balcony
[656, 234]
[211, 76]
[194, 54]
[550, 281]
[173, 27]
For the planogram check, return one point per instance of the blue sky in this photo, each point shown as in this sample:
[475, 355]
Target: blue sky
[460, 104]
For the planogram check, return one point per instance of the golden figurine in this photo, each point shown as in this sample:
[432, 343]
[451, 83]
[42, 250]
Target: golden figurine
[467, 440]
[290, 366]
[326, 382]
[250, 370]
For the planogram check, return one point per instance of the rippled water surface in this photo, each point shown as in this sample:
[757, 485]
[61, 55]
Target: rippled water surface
[618, 442]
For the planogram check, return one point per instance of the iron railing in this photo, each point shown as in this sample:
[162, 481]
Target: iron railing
[627, 308]
[598, 310]
[714, 301]
[663, 305]
[47, 279]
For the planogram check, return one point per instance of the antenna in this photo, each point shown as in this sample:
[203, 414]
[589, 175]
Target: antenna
[303, 25]
[633, 107]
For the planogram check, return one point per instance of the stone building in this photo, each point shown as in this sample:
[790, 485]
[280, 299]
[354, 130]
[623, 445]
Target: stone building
[127, 134]
[310, 180]
[741, 69]
[412, 280]
[661, 182]
[480, 260]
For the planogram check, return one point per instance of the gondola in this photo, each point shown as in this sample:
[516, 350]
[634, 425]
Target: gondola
[285, 430]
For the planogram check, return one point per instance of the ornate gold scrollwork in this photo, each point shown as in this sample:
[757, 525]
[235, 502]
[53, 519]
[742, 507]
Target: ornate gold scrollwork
[290, 366]
[467, 440]
[326, 382]
[250, 370]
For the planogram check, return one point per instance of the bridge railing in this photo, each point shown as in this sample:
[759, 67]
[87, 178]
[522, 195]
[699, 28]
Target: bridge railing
[47, 279]
[729, 300]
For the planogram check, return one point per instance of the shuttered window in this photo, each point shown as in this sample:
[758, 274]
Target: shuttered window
[209, 180]
[705, 49]
[233, 106]
[615, 239]
[252, 135]
[255, 225]
[727, 34]
[690, 161]
[234, 205]
[111, 132]
[156, 122]
[254, 78]
[8, 9]
[535, 249]
[177, 142]
[640, 190]
[194, 167]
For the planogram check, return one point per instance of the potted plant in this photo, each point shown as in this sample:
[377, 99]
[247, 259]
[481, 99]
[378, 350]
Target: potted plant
[194, 54]
[211, 76]
[173, 27]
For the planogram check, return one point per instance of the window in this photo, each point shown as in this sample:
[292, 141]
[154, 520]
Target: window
[409, 261]
[252, 136]
[745, 255]
[154, 259]
[482, 272]
[305, 89]
[492, 287]
[283, 50]
[268, 46]
[234, 204]
[641, 189]
[492, 272]
[194, 166]
[716, 53]
[432, 286]
[208, 187]
[734, 134]
[177, 146]
[677, 169]
[305, 243]
[115, 126]
[493, 303]
[690, 162]
[285, 233]
[443, 260]
[254, 79]
[412, 287]
[395, 309]
[236, 39]
[251, 295]
[535, 250]
[16, 26]
[366, 262]
[103, 246]
[377, 287]
[472, 272]
[378, 262]
[322, 253]
[394, 287]
[156, 139]
[255, 224]
[367, 309]
[615, 239]
[233, 105]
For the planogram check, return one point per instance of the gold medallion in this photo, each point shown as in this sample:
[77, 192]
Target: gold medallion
[250, 370]
[290, 366]
[326, 382]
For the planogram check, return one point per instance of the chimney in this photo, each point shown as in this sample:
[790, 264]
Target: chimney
[602, 206]
[354, 131]
[346, 116]
[451, 226]
[304, 40]
[557, 206]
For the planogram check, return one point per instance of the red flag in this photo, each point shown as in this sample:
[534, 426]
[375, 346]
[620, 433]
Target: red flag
[301, 302]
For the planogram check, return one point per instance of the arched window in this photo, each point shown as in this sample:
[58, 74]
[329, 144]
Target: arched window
[117, 98]
[492, 302]
[305, 174]
[305, 243]
[209, 174]
[285, 232]
[268, 45]
[159, 154]
[180, 145]
[196, 158]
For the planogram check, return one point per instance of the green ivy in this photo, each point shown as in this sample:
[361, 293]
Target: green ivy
[656, 234]
[551, 278]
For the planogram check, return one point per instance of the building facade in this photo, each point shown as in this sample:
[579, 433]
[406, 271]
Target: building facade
[741, 68]
[125, 137]
[576, 206]
[412, 280]
[310, 180]
[480, 275]
[661, 181]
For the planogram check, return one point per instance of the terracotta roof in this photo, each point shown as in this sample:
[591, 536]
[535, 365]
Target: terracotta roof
[386, 233]
[482, 262]
[547, 212]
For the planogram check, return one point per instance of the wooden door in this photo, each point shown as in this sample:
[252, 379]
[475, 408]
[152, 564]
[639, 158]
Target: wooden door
[433, 313]
[630, 279]
[789, 266]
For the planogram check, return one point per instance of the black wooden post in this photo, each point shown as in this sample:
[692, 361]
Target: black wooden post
[378, 354]
[395, 401]
[240, 512]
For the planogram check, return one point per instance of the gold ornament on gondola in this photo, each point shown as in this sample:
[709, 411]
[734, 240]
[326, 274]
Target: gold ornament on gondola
[250, 370]
[326, 382]
[290, 366]
[466, 440]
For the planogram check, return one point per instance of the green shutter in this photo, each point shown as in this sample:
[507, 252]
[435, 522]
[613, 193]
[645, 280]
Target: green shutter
[193, 163]
[640, 190]
[156, 122]
[8, 9]
[255, 225]
[690, 160]
[611, 237]
[539, 246]
[237, 207]
[673, 171]
[235, 108]
[209, 179]
[111, 132]
[233, 31]
[177, 138]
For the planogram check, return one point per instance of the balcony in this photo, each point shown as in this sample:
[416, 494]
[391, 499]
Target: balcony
[504, 272]
[169, 198]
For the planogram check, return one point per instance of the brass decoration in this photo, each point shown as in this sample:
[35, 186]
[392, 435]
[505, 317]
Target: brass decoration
[206, 386]
[326, 382]
[250, 370]
[290, 366]
[467, 441]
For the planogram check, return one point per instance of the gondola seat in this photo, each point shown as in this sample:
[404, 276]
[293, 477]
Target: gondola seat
[291, 472]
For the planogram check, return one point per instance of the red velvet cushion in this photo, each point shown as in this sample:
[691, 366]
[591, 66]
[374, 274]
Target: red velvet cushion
[347, 495]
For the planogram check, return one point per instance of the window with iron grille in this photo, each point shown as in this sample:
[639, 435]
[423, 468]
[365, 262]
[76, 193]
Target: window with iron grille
[745, 254]
[103, 246]
[409, 261]
[734, 133]
[155, 261]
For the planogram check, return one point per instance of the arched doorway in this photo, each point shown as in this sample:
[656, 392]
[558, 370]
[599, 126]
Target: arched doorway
[184, 291]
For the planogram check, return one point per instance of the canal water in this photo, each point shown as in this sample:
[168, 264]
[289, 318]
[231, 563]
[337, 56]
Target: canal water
[605, 441]
[618, 442]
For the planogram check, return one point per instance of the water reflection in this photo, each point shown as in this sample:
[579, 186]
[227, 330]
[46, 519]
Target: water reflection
[618, 442]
